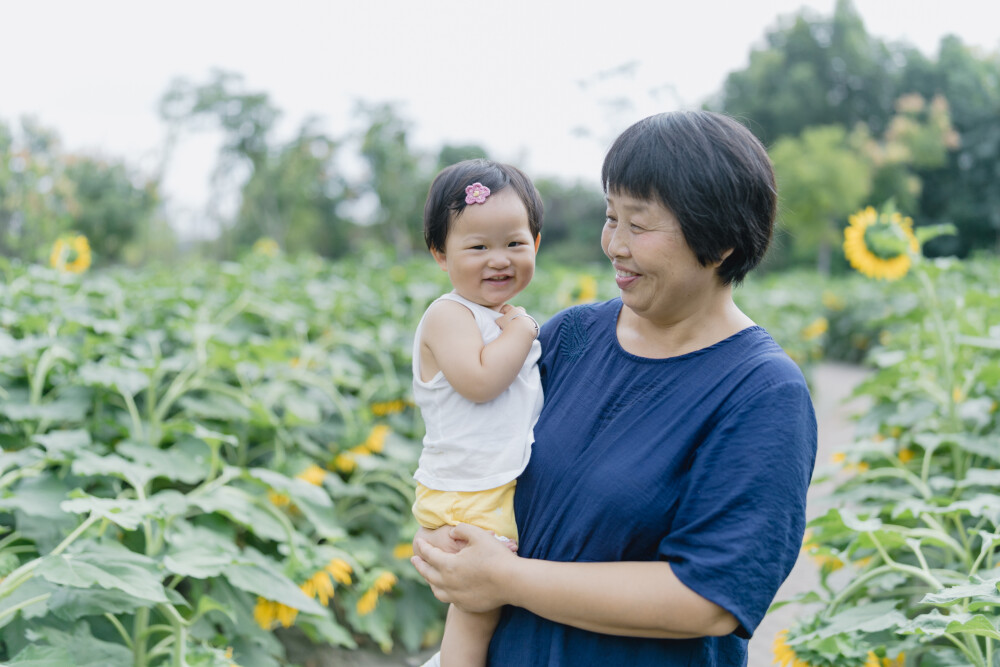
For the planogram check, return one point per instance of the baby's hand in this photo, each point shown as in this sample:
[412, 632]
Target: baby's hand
[515, 316]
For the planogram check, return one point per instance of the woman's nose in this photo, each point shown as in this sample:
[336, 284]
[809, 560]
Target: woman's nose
[615, 245]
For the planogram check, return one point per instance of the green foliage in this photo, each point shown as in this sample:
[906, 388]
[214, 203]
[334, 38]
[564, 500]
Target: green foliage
[108, 207]
[822, 179]
[46, 193]
[182, 451]
[908, 547]
[574, 218]
[821, 71]
[815, 71]
[397, 177]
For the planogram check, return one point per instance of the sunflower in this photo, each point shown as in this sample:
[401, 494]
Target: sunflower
[267, 247]
[340, 570]
[385, 408]
[784, 655]
[586, 289]
[879, 245]
[313, 474]
[874, 661]
[319, 586]
[816, 329]
[347, 461]
[71, 253]
[268, 612]
[369, 600]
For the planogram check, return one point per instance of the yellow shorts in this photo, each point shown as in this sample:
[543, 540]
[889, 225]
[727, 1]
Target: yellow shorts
[492, 509]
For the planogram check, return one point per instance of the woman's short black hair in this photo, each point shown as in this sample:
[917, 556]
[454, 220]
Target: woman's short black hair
[446, 198]
[711, 172]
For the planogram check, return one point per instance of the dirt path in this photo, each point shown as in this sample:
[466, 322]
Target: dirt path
[832, 384]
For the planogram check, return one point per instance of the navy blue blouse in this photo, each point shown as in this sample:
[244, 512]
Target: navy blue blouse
[701, 460]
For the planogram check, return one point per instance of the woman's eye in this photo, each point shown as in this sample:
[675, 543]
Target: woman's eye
[635, 228]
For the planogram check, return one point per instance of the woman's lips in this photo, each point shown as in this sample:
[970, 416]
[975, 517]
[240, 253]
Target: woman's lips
[625, 278]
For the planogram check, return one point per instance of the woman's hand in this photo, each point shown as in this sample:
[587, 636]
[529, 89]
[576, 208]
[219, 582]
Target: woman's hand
[440, 538]
[472, 578]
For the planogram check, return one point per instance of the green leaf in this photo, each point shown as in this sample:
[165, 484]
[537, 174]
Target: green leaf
[62, 442]
[88, 463]
[986, 592]
[32, 588]
[58, 411]
[298, 488]
[267, 582]
[70, 604]
[215, 406]
[37, 497]
[106, 566]
[852, 521]
[207, 604]
[81, 648]
[104, 374]
[241, 507]
[35, 655]
[197, 562]
[936, 624]
[872, 617]
[185, 461]
[129, 514]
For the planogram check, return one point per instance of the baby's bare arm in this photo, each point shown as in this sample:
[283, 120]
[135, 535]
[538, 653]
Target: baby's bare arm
[478, 372]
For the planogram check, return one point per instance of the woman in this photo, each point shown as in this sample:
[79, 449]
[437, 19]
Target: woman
[664, 502]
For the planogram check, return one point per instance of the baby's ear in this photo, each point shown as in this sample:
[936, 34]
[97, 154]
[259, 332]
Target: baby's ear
[538, 240]
[439, 257]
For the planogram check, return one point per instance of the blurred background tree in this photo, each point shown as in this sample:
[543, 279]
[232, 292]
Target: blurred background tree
[45, 193]
[935, 123]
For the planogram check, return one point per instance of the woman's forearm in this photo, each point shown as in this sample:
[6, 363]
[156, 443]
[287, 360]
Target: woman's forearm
[640, 599]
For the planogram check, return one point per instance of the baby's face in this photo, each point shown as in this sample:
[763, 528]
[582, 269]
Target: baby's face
[490, 253]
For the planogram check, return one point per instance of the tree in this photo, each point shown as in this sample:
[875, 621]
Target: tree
[34, 191]
[110, 205]
[574, 218]
[822, 178]
[964, 191]
[815, 71]
[288, 192]
[397, 177]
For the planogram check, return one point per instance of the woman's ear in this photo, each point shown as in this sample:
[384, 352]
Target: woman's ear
[439, 257]
[722, 257]
[538, 240]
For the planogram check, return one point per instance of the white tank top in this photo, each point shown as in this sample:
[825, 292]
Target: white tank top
[476, 446]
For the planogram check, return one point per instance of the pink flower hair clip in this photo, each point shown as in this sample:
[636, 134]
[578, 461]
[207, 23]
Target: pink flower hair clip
[476, 193]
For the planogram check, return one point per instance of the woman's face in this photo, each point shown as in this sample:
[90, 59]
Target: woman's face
[659, 276]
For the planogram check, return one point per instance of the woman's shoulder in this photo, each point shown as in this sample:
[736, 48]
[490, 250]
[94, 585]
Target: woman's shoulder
[756, 359]
[574, 329]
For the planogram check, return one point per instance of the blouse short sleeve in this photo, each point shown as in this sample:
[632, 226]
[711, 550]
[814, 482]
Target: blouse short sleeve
[740, 518]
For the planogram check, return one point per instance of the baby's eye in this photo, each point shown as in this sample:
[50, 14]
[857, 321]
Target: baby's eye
[513, 244]
[479, 247]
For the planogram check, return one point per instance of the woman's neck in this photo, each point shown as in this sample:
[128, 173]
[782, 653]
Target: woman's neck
[715, 321]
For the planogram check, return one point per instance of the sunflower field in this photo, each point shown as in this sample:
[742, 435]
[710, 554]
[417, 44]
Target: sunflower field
[197, 458]
[907, 545]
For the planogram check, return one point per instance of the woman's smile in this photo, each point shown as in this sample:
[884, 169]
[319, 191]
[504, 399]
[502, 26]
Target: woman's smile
[624, 279]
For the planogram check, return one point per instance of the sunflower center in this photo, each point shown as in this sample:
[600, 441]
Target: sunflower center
[886, 240]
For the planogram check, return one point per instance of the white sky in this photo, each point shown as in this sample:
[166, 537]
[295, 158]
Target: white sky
[521, 77]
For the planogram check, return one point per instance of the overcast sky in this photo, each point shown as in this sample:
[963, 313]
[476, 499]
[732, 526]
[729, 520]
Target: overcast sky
[528, 79]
